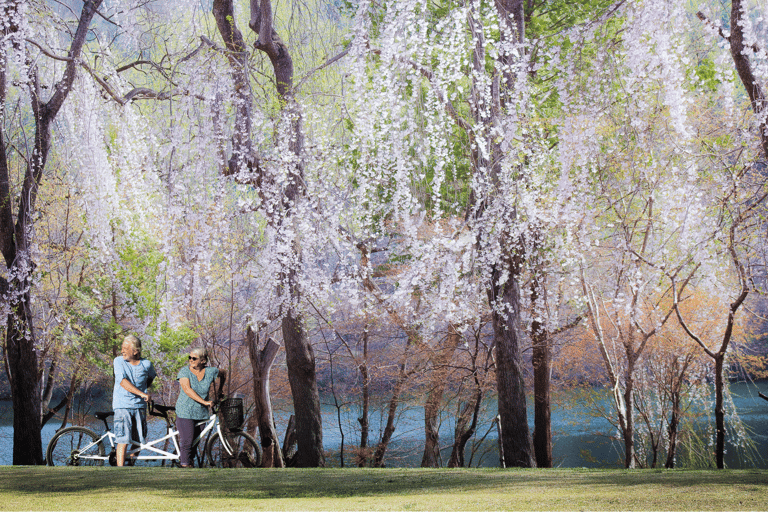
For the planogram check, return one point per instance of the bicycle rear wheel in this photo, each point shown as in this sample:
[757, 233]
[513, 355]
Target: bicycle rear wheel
[75, 446]
[236, 450]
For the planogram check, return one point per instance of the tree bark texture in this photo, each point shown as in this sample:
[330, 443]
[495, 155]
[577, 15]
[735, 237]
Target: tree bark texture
[300, 358]
[628, 428]
[746, 75]
[366, 402]
[503, 286]
[719, 411]
[261, 365]
[674, 421]
[513, 416]
[243, 158]
[541, 356]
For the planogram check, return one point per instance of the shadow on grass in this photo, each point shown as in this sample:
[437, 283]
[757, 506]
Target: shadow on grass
[344, 483]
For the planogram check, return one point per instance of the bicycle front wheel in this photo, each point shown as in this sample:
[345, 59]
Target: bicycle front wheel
[75, 446]
[233, 450]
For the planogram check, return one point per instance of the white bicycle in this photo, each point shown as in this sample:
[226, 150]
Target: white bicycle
[81, 446]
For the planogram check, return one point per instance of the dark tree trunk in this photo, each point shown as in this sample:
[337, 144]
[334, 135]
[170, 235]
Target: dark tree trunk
[674, 420]
[503, 281]
[389, 429]
[746, 75]
[513, 416]
[366, 399]
[672, 431]
[22, 359]
[261, 365]
[542, 430]
[719, 356]
[719, 412]
[629, 423]
[300, 359]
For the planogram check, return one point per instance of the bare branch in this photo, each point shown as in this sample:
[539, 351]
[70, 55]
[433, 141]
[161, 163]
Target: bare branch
[47, 52]
[327, 63]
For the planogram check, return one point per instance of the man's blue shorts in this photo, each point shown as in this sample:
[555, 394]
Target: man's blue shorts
[130, 425]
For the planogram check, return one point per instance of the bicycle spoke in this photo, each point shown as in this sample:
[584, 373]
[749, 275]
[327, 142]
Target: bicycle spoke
[75, 446]
[241, 451]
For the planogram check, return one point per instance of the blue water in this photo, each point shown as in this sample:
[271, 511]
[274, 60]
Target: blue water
[579, 440]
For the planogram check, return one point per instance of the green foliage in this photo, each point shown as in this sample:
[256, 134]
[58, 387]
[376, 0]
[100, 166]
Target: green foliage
[92, 332]
[172, 344]
[707, 74]
[555, 16]
[137, 274]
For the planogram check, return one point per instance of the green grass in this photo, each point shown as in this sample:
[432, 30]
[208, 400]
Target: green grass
[43, 488]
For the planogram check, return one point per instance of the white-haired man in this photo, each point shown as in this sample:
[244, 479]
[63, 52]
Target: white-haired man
[133, 376]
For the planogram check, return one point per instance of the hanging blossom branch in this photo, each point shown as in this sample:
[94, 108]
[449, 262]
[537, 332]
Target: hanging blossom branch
[447, 104]
[722, 33]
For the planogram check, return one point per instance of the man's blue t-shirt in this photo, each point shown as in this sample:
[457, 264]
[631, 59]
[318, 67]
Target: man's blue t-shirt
[185, 406]
[140, 375]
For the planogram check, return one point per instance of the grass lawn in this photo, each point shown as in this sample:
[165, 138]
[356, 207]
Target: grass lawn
[134, 489]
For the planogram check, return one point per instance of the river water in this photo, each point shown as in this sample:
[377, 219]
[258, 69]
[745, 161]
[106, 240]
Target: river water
[579, 440]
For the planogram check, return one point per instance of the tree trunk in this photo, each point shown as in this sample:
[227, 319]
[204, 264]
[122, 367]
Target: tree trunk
[674, 421]
[542, 430]
[462, 434]
[389, 429]
[719, 411]
[366, 398]
[300, 359]
[431, 457]
[513, 416]
[22, 358]
[50, 378]
[503, 284]
[261, 365]
[746, 75]
[629, 424]
[289, 453]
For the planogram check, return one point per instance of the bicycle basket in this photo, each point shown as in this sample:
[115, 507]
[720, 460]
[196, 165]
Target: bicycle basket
[232, 413]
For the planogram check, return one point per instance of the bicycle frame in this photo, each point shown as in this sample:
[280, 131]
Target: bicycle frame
[156, 453]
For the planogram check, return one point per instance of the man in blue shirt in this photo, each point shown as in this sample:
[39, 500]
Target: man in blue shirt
[133, 376]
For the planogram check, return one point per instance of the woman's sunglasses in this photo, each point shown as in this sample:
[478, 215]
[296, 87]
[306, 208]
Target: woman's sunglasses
[193, 358]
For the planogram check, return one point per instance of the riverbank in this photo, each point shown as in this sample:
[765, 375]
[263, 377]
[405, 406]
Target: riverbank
[139, 489]
[579, 439]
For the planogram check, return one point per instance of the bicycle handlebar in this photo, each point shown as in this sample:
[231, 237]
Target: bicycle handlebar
[160, 409]
[163, 410]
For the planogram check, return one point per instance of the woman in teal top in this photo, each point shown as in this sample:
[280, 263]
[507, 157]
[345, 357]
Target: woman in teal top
[192, 406]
